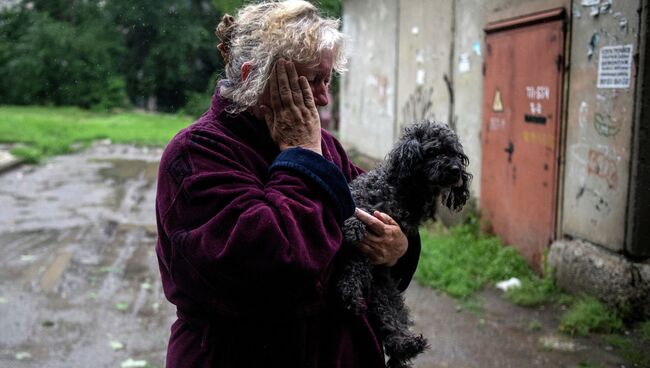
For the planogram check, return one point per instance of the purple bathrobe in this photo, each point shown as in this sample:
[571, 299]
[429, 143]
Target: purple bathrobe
[247, 246]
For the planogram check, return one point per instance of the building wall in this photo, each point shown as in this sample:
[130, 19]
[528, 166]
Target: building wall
[599, 128]
[402, 49]
[424, 45]
[370, 84]
[468, 82]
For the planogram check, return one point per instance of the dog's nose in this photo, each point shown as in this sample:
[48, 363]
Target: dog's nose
[455, 169]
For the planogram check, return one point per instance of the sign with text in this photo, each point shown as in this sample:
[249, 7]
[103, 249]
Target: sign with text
[615, 67]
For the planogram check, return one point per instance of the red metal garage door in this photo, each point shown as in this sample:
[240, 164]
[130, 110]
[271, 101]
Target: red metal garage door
[521, 129]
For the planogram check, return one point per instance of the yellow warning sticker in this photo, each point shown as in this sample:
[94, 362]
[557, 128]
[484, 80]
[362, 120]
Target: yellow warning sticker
[497, 105]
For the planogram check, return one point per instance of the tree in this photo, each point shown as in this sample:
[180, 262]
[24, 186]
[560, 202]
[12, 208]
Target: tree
[92, 53]
[170, 49]
[46, 60]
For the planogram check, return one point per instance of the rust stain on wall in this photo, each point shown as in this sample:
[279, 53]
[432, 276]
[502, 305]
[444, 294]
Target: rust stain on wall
[604, 167]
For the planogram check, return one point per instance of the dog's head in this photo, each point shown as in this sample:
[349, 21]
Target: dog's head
[429, 159]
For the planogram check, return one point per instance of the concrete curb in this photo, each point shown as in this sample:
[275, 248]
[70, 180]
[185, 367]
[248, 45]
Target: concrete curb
[582, 267]
[8, 161]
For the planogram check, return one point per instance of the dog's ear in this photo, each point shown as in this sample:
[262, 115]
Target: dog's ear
[405, 160]
[458, 196]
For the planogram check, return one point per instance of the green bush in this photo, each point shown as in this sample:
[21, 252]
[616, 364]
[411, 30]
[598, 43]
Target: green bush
[113, 96]
[47, 61]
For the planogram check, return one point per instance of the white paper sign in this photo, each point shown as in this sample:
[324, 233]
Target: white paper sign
[419, 77]
[615, 67]
[463, 64]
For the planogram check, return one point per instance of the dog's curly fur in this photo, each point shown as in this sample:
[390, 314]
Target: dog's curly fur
[427, 164]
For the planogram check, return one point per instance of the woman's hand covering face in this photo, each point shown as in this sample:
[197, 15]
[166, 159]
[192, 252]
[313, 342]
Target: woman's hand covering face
[292, 118]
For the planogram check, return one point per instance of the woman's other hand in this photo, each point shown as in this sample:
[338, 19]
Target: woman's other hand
[385, 242]
[292, 118]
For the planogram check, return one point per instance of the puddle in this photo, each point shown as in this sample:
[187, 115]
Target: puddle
[55, 271]
[127, 169]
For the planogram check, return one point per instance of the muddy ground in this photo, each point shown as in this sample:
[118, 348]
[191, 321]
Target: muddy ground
[79, 282]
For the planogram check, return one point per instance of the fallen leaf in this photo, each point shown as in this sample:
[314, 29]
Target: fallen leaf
[130, 363]
[27, 258]
[121, 306]
[22, 355]
[116, 345]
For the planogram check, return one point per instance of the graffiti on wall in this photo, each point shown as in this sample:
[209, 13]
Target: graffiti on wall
[419, 106]
[605, 125]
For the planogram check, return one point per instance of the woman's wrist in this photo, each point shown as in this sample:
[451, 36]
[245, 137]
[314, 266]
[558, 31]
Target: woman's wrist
[311, 147]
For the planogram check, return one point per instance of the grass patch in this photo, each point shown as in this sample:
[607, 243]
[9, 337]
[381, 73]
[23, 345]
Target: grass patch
[535, 325]
[460, 260]
[588, 365]
[46, 131]
[587, 315]
[632, 353]
[534, 291]
[644, 329]
[471, 304]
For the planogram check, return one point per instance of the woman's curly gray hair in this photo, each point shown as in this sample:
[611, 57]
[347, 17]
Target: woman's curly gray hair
[261, 34]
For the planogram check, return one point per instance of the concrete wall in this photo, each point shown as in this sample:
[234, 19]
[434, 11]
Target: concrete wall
[425, 42]
[369, 86]
[468, 82]
[599, 128]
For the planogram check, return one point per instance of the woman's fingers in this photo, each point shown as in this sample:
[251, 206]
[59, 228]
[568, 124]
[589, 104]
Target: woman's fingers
[284, 87]
[374, 224]
[296, 90]
[307, 96]
[276, 103]
[384, 218]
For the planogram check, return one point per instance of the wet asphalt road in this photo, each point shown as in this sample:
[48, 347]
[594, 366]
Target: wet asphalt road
[78, 273]
[77, 268]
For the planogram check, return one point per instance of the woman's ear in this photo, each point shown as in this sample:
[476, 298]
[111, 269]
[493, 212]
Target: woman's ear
[245, 69]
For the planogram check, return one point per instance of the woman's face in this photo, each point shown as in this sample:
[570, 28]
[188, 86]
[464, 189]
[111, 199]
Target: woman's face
[318, 76]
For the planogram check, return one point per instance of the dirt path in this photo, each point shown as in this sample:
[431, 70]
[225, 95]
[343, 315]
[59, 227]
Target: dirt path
[78, 273]
[498, 334]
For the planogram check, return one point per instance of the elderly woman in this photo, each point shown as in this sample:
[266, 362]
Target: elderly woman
[250, 202]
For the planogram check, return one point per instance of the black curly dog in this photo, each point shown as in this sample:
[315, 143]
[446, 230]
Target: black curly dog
[426, 164]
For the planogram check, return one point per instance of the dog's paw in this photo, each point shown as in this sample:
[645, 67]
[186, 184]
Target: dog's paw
[405, 347]
[354, 230]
